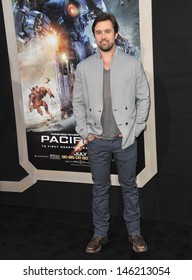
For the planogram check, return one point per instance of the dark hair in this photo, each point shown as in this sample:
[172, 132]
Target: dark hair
[103, 17]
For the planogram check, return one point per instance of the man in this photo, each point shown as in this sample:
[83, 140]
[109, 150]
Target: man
[110, 105]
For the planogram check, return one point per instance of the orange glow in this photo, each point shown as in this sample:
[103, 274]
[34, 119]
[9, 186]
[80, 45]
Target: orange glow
[72, 9]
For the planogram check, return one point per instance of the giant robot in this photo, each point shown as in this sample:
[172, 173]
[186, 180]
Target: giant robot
[69, 19]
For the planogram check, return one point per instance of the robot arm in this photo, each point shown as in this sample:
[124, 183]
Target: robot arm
[49, 92]
[96, 7]
[29, 23]
[124, 44]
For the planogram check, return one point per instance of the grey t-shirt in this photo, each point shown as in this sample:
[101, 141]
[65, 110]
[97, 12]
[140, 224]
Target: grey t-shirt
[110, 128]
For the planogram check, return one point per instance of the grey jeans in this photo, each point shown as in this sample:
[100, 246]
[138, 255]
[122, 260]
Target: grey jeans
[100, 153]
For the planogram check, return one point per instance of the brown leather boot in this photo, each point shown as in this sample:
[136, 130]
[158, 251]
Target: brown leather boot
[95, 244]
[138, 243]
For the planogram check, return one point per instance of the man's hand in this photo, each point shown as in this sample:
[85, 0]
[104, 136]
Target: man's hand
[92, 137]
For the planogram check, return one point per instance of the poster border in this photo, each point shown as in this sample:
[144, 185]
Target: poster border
[146, 45]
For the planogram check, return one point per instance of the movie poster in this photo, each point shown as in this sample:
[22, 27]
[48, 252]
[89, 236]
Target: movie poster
[52, 38]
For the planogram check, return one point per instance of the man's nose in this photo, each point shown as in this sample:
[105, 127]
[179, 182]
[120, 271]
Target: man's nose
[103, 35]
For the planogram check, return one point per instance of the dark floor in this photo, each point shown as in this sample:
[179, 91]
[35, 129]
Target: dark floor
[31, 233]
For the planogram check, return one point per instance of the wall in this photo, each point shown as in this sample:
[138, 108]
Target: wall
[168, 195]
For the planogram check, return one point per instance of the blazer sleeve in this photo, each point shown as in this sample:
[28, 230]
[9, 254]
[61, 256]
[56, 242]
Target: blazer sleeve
[142, 100]
[79, 106]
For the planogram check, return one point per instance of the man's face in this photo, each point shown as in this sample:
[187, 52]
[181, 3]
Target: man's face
[105, 35]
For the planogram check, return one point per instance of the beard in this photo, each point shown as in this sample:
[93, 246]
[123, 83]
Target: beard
[106, 47]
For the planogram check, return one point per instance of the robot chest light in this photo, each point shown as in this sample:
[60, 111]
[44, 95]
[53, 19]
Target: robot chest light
[73, 10]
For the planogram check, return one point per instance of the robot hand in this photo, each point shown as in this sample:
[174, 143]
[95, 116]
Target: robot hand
[30, 23]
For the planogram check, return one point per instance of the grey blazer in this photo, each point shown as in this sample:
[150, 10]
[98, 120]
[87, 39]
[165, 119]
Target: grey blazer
[129, 94]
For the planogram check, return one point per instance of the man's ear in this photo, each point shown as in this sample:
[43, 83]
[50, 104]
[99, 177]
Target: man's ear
[116, 35]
